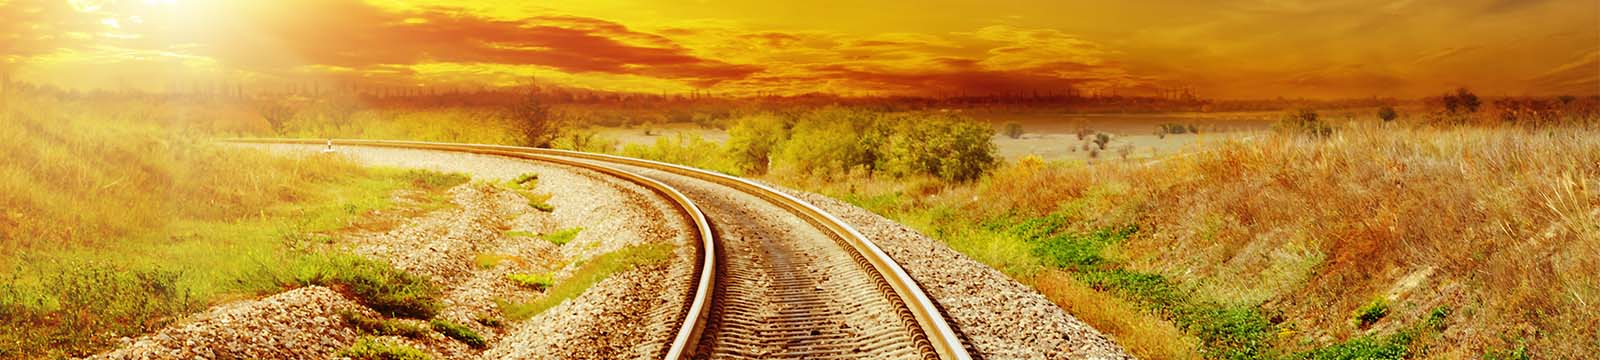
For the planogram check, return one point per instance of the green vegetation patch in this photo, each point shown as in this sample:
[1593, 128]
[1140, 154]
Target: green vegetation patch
[459, 332]
[1370, 313]
[377, 285]
[384, 327]
[532, 281]
[1393, 346]
[562, 237]
[587, 275]
[368, 348]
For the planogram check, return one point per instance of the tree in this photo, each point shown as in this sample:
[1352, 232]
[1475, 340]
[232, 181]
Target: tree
[536, 124]
[949, 147]
[1387, 113]
[1462, 101]
[1101, 139]
[277, 114]
[1013, 130]
[754, 139]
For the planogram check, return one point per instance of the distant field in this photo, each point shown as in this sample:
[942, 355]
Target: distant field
[1049, 135]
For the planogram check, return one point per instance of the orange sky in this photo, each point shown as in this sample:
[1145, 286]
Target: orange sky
[1227, 49]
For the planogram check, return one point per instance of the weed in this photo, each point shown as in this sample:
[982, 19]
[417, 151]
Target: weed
[587, 275]
[562, 237]
[433, 180]
[526, 181]
[1395, 346]
[377, 285]
[1437, 317]
[538, 282]
[459, 332]
[368, 348]
[489, 320]
[1370, 313]
[487, 261]
[383, 327]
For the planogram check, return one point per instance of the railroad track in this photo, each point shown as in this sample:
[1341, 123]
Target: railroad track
[778, 278]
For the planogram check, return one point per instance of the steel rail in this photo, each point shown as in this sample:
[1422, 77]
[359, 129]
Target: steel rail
[699, 310]
[943, 338]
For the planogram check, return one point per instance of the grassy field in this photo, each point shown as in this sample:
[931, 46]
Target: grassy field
[116, 223]
[1377, 242]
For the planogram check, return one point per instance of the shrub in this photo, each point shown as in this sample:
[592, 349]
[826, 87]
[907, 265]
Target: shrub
[367, 348]
[1437, 317]
[377, 285]
[459, 332]
[533, 121]
[1387, 113]
[1303, 122]
[1013, 130]
[1101, 139]
[754, 139]
[1462, 101]
[833, 141]
[1174, 128]
[949, 147]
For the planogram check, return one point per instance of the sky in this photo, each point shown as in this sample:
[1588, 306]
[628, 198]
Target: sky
[1217, 49]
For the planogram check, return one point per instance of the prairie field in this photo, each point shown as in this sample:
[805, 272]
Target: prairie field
[1232, 235]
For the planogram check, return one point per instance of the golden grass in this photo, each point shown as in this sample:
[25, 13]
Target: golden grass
[116, 220]
[1314, 228]
[1144, 336]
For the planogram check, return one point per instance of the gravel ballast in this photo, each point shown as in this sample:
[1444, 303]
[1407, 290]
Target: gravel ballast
[631, 314]
[1002, 318]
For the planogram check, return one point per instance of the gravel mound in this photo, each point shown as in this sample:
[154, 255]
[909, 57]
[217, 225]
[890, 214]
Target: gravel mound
[302, 323]
[1002, 318]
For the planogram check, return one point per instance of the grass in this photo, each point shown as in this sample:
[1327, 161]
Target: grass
[372, 283]
[585, 276]
[524, 185]
[382, 327]
[114, 225]
[369, 348]
[538, 282]
[563, 236]
[1255, 248]
[459, 332]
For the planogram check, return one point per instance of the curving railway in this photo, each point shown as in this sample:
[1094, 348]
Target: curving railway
[777, 278]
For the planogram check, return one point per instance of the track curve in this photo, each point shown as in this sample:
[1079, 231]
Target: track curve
[779, 278]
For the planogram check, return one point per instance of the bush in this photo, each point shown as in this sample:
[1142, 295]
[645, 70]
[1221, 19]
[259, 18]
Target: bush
[1365, 348]
[534, 122]
[949, 147]
[1387, 113]
[753, 140]
[1462, 101]
[1303, 122]
[459, 332]
[1013, 130]
[377, 285]
[368, 348]
[832, 141]
[1101, 139]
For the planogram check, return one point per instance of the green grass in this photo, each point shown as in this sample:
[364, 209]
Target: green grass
[1394, 346]
[532, 281]
[487, 261]
[562, 237]
[70, 299]
[383, 327]
[1370, 313]
[375, 284]
[587, 275]
[368, 348]
[459, 332]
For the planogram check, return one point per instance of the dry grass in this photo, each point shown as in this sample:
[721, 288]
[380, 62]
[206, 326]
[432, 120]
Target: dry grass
[1144, 336]
[1500, 223]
